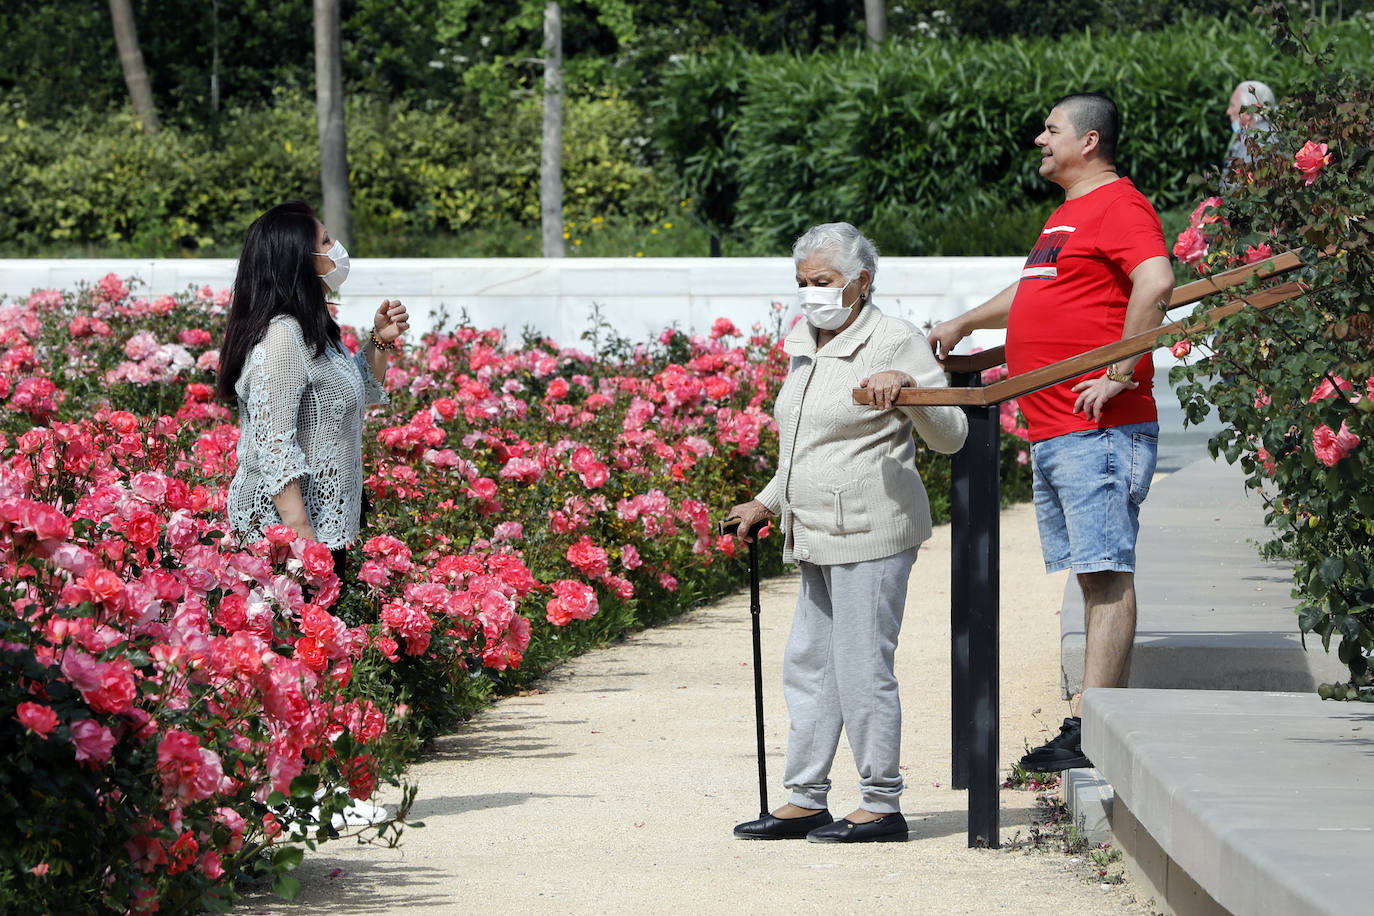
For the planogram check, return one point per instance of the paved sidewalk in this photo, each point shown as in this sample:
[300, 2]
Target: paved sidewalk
[616, 788]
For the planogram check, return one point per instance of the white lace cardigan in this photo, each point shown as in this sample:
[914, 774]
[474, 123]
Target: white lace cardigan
[301, 418]
[847, 486]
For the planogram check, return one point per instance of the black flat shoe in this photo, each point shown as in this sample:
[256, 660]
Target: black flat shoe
[890, 828]
[769, 827]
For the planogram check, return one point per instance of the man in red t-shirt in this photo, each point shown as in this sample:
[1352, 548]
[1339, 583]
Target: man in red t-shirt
[1098, 273]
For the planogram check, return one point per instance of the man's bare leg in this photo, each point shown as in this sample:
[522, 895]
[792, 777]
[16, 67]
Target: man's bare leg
[1109, 618]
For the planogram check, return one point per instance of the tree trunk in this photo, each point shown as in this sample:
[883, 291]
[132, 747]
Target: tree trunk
[214, 57]
[875, 21]
[329, 108]
[551, 161]
[131, 61]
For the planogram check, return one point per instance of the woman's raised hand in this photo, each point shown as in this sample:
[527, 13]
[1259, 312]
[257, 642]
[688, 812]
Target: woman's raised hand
[391, 320]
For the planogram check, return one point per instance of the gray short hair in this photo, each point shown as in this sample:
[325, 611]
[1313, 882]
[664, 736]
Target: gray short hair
[849, 249]
[1253, 92]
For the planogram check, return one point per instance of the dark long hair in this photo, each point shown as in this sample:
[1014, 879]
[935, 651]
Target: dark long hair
[276, 276]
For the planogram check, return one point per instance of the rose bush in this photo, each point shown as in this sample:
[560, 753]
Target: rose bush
[1293, 384]
[181, 709]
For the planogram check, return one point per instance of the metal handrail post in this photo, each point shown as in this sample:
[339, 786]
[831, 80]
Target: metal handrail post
[975, 506]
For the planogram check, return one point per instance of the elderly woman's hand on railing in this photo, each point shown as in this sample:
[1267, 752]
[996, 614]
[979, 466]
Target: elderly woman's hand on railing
[885, 386]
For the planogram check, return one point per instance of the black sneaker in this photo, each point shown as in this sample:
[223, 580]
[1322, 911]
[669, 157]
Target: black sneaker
[1069, 737]
[1057, 759]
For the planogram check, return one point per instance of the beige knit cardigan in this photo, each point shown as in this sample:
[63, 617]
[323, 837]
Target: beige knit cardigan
[846, 484]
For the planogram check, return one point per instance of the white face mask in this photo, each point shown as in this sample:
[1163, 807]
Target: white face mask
[336, 277]
[824, 306]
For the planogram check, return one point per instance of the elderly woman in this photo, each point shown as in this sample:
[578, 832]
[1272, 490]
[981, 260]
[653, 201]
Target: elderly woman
[853, 512]
[300, 395]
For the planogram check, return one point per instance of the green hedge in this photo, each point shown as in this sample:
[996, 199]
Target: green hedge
[100, 180]
[929, 145]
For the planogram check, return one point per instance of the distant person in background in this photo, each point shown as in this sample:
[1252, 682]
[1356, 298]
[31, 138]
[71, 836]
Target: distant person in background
[300, 395]
[1247, 124]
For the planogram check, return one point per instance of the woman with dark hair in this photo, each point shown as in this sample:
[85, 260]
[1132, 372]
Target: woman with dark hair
[300, 395]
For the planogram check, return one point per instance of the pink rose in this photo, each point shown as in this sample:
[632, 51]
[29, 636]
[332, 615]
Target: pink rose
[1311, 159]
[589, 559]
[104, 585]
[189, 772]
[1202, 217]
[36, 522]
[1255, 254]
[210, 865]
[508, 531]
[232, 821]
[558, 389]
[573, 601]
[94, 742]
[115, 689]
[723, 327]
[281, 535]
[1191, 246]
[629, 557]
[1330, 446]
[592, 472]
[1182, 348]
[1327, 390]
[149, 486]
[37, 718]
[318, 560]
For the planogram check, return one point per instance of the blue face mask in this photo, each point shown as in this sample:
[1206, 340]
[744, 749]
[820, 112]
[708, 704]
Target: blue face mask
[1235, 127]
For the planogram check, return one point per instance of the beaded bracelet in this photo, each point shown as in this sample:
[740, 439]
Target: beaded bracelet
[383, 346]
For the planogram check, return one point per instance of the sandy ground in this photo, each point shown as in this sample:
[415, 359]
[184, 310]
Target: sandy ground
[616, 788]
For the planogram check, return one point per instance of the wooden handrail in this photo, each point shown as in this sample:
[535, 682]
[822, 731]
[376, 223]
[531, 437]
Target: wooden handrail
[1183, 295]
[1074, 366]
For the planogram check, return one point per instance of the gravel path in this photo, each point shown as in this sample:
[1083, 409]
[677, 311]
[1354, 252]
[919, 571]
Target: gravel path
[615, 788]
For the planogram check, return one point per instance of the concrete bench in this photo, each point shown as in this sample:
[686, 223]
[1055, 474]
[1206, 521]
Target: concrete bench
[1211, 614]
[1241, 802]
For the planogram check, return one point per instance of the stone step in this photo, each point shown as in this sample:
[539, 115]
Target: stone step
[1242, 802]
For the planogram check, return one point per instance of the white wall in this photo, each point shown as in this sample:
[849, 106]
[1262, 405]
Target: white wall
[638, 296]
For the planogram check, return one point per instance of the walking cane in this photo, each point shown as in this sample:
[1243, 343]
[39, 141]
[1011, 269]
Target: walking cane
[730, 526]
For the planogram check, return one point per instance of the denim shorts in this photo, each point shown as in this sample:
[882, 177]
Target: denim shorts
[1088, 489]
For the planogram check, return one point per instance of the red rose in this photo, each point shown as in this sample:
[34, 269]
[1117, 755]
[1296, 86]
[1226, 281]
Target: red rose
[143, 530]
[574, 601]
[1311, 159]
[312, 653]
[104, 585]
[116, 688]
[281, 535]
[37, 718]
[589, 559]
[318, 560]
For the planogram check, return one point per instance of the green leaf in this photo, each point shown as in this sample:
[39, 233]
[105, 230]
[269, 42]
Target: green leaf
[1331, 569]
[288, 857]
[286, 887]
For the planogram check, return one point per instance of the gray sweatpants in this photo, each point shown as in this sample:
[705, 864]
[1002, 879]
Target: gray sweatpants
[837, 672]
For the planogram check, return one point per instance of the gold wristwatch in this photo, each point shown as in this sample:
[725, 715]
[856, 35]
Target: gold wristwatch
[1115, 376]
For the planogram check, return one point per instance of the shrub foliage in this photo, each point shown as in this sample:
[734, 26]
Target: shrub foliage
[1295, 385]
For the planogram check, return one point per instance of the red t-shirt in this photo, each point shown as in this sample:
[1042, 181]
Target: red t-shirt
[1072, 297]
